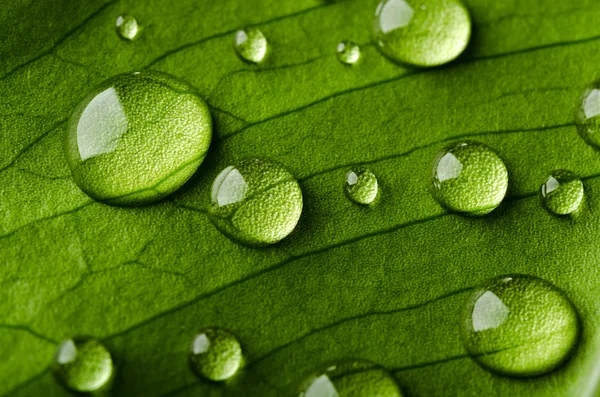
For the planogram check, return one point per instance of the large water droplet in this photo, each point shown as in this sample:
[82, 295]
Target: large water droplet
[83, 364]
[256, 202]
[361, 186]
[348, 52]
[469, 178]
[422, 32]
[355, 378]
[127, 27]
[215, 354]
[137, 138]
[587, 115]
[519, 325]
[562, 193]
[251, 45]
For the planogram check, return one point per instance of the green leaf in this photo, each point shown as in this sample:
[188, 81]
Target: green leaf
[384, 283]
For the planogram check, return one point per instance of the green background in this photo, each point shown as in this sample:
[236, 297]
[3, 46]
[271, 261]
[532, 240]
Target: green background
[384, 283]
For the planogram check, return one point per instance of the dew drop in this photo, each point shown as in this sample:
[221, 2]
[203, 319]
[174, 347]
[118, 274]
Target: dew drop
[83, 364]
[587, 115]
[137, 138]
[562, 193]
[352, 378]
[251, 45]
[127, 27]
[215, 354]
[469, 178]
[348, 52]
[519, 325]
[361, 186]
[255, 202]
[422, 32]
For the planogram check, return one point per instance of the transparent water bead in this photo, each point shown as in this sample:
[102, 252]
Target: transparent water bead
[83, 364]
[251, 45]
[422, 32]
[351, 378]
[348, 52]
[256, 202]
[469, 178]
[562, 193]
[127, 27]
[519, 325]
[137, 138]
[361, 186]
[215, 354]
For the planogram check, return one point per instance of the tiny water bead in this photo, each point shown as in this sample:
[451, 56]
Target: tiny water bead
[469, 178]
[587, 115]
[355, 378]
[348, 52]
[137, 138]
[255, 202]
[562, 193]
[83, 364]
[422, 32]
[519, 326]
[361, 186]
[127, 27]
[215, 354]
[251, 45]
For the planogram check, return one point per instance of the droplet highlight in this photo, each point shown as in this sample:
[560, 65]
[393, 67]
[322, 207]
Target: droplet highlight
[83, 364]
[127, 27]
[469, 178]
[519, 325]
[137, 138]
[587, 115]
[215, 354]
[352, 378]
[251, 45]
[562, 193]
[422, 32]
[348, 52]
[361, 186]
[255, 202]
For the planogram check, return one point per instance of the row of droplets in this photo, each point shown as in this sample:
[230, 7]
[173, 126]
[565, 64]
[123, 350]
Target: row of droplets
[515, 325]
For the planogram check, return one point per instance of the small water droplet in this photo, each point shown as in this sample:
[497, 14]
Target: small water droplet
[361, 186]
[137, 138]
[256, 202]
[422, 32]
[562, 193]
[215, 354]
[352, 378]
[469, 178]
[83, 364]
[587, 115]
[127, 27]
[519, 325]
[251, 45]
[348, 52]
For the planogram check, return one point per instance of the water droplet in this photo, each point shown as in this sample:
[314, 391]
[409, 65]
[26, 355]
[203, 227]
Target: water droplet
[251, 45]
[348, 52]
[469, 178]
[587, 115]
[562, 193]
[361, 186]
[83, 364]
[137, 138]
[215, 354]
[256, 202]
[355, 378]
[422, 32]
[127, 27]
[519, 325]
